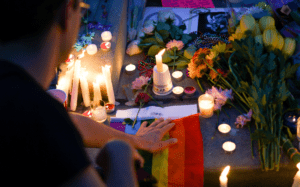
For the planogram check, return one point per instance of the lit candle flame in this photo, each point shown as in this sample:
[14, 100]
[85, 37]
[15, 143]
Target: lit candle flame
[298, 165]
[161, 52]
[225, 171]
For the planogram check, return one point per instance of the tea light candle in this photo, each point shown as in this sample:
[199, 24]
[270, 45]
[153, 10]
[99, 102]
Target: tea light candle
[206, 105]
[178, 91]
[223, 177]
[105, 46]
[224, 128]
[91, 49]
[106, 36]
[229, 146]
[177, 75]
[130, 69]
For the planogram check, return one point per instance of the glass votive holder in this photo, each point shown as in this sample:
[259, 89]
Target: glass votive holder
[106, 36]
[99, 114]
[206, 105]
[228, 147]
[177, 75]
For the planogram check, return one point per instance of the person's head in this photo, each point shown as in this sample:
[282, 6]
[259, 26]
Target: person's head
[26, 19]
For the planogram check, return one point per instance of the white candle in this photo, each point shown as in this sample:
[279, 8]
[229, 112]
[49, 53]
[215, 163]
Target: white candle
[91, 49]
[229, 146]
[296, 182]
[130, 68]
[178, 90]
[206, 105]
[108, 82]
[177, 75]
[224, 128]
[158, 59]
[74, 95]
[97, 92]
[85, 88]
[223, 177]
[106, 36]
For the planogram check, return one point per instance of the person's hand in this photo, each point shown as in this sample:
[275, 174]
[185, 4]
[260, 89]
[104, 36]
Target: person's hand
[149, 138]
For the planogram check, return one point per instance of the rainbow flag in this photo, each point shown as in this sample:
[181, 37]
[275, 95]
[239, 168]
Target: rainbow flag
[181, 164]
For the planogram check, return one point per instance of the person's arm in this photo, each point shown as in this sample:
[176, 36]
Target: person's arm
[96, 134]
[117, 160]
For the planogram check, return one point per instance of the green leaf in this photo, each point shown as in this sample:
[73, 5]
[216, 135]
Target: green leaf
[190, 51]
[182, 27]
[166, 56]
[164, 34]
[159, 38]
[173, 57]
[151, 41]
[128, 121]
[186, 38]
[163, 26]
[153, 50]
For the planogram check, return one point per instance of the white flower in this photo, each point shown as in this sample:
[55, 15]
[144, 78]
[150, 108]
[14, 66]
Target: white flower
[149, 26]
[133, 48]
[163, 15]
[131, 34]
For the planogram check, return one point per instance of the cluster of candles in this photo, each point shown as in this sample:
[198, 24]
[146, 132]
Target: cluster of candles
[75, 75]
[106, 36]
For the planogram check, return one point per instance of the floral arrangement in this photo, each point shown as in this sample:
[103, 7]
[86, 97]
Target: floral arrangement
[256, 67]
[160, 34]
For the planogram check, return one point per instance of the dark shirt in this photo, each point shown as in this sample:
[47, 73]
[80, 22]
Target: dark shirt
[39, 145]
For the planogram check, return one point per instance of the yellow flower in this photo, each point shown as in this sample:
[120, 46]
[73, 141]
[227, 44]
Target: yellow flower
[220, 47]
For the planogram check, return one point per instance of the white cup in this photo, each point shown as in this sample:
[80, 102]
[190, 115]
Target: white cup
[162, 82]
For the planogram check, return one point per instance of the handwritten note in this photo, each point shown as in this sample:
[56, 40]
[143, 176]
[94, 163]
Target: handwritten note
[188, 3]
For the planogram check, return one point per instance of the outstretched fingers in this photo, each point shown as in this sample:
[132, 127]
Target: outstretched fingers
[164, 123]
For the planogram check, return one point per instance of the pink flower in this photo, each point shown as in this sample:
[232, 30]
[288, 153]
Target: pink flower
[241, 120]
[175, 43]
[220, 96]
[139, 82]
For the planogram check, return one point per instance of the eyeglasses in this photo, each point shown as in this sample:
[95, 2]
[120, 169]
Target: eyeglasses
[84, 7]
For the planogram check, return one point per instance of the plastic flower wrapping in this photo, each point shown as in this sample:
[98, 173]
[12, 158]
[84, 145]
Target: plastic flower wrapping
[164, 15]
[174, 43]
[140, 82]
[133, 48]
[149, 26]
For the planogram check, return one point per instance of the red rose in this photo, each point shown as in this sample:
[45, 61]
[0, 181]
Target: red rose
[142, 98]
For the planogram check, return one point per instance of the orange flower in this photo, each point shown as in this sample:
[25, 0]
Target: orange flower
[213, 75]
[197, 67]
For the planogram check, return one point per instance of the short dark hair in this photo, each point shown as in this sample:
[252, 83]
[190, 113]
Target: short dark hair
[27, 17]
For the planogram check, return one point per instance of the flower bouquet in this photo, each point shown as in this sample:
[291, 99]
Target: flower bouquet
[256, 67]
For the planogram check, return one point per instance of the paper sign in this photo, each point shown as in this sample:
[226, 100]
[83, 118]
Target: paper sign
[188, 3]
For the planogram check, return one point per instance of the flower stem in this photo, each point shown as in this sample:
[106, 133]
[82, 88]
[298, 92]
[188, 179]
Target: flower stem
[141, 105]
[154, 100]
[200, 85]
[226, 113]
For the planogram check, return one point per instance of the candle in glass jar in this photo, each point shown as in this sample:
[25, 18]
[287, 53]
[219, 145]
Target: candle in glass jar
[206, 105]
[105, 46]
[223, 177]
[177, 75]
[99, 114]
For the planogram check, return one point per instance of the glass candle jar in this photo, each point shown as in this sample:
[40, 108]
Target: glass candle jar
[206, 105]
[99, 114]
